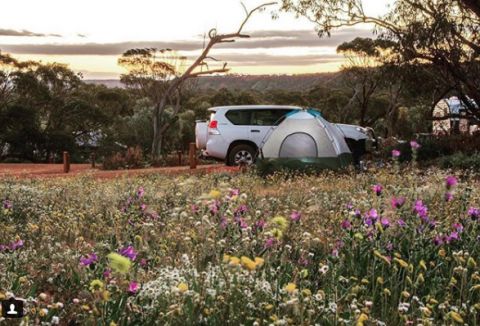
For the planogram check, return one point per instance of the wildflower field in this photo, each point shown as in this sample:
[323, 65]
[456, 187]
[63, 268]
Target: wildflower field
[392, 246]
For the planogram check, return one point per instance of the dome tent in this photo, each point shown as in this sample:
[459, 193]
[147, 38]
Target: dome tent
[304, 140]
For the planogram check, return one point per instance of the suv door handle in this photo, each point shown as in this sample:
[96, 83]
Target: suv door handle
[254, 130]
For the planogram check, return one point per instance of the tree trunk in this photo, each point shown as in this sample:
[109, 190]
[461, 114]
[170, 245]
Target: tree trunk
[157, 133]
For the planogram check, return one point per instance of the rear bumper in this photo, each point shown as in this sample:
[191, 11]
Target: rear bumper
[217, 147]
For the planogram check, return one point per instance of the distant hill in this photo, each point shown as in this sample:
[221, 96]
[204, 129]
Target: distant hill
[250, 82]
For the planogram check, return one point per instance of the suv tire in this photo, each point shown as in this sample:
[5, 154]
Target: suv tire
[239, 152]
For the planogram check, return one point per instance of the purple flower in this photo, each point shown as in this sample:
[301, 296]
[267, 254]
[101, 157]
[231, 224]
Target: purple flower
[17, 244]
[140, 192]
[373, 213]
[448, 196]
[474, 213]
[143, 262]
[397, 202]
[234, 192]
[7, 204]
[395, 153]
[450, 181]
[214, 207]
[270, 242]
[458, 227]
[295, 216]
[385, 222]
[346, 225]
[90, 259]
[223, 222]
[194, 208]
[242, 209]
[420, 209]
[259, 225]
[349, 206]
[143, 207]
[242, 223]
[303, 261]
[129, 252]
[438, 240]
[401, 223]
[377, 189]
[358, 214]
[414, 145]
[133, 287]
[453, 236]
[107, 273]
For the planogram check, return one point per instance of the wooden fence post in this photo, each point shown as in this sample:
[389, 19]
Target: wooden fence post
[66, 162]
[92, 158]
[179, 153]
[192, 155]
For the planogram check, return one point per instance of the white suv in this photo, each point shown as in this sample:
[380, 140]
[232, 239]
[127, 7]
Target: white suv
[235, 133]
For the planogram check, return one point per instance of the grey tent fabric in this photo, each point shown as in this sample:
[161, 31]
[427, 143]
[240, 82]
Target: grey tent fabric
[304, 139]
[298, 145]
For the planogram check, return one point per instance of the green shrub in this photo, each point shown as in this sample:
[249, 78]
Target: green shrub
[131, 159]
[461, 161]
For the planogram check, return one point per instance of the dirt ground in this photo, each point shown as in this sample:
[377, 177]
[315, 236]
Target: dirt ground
[56, 170]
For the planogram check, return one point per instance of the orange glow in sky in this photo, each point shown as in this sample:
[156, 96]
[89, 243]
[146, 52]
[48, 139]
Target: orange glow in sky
[90, 35]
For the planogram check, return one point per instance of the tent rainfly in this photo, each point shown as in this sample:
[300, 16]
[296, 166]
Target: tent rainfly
[304, 140]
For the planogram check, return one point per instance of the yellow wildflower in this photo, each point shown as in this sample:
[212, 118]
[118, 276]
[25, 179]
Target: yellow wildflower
[226, 258]
[362, 319]
[259, 261]
[280, 222]
[401, 262]
[112, 323]
[277, 233]
[182, 287]
[423, 265]
[456, 317]
[380, 280]
[471, 263]
[420, 279]
[382, 257]
[442, 253]
[387, 292]
[119, 263]
[96, 285]
[214, 194]
[290, 288]
[106, 295]
[248, 263]
[234, 261]
[306, 292]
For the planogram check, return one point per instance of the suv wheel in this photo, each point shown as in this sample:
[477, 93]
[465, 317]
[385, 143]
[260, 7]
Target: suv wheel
[241, 153]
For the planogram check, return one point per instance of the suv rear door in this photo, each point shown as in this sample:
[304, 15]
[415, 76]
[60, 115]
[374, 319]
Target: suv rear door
[262, 121]
[240, 119]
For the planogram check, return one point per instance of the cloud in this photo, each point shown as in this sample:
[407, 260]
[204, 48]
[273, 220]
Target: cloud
[239, 59]
[267, 39]
[24, 32]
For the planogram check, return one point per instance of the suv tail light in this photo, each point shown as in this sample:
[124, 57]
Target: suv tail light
[212, 128]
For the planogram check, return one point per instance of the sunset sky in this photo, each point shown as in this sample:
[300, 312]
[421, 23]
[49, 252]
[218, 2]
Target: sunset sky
[90, 35]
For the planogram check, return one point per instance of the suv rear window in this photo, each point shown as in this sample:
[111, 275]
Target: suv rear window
[261, 117]
[239, 117]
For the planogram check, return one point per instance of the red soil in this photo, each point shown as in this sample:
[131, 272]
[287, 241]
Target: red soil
[56, 170]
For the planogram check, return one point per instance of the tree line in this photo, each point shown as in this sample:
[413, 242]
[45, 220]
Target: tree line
[423, 51]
